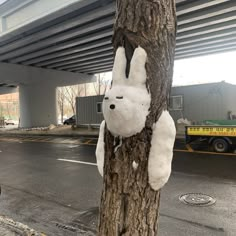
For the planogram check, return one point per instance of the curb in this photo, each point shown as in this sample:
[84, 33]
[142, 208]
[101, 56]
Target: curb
[49, 134]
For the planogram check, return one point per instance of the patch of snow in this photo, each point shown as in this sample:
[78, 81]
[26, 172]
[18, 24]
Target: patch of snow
[125, 108]
[119, 145]
[183, 121]
[11, 227]
[135, 165]
[161, 152]
[138, 75]
[118, 72]
[51, 126]
[100, 152]
[126, 104]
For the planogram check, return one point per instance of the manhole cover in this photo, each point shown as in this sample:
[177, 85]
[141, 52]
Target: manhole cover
[197, 199]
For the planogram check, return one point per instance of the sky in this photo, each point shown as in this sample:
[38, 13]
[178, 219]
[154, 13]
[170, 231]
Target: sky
[204, 69]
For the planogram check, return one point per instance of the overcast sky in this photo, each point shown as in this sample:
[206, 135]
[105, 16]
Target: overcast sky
[205, 69]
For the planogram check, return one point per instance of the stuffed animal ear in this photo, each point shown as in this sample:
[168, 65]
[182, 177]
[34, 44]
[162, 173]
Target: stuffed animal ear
[137, 74]
[118, 72]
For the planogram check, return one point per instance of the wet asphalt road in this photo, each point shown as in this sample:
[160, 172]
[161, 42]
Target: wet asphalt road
[45, 193]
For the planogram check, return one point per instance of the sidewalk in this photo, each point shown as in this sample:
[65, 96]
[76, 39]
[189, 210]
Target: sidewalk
[61, 130]
[52, 130]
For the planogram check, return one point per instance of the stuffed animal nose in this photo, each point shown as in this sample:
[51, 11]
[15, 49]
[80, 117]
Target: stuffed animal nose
[112, 106]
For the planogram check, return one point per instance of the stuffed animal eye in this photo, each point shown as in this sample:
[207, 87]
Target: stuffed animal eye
[106, 98]
[120, 97]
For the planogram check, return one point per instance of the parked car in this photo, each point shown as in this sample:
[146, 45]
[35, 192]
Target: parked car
[10, 122]
[70, 121]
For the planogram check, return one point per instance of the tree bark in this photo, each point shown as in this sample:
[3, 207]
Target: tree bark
[129, 206]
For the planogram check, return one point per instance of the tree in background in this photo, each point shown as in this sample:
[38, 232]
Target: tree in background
[101, 85]
[71, 92]
[135, 165]
[66, 98]
[61, 101]
[9, 106]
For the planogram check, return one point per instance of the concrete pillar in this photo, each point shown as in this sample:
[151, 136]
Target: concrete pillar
[37, 91]
[37, 105]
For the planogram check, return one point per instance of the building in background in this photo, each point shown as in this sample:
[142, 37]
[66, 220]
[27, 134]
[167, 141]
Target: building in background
[196, 103]
[89, 110]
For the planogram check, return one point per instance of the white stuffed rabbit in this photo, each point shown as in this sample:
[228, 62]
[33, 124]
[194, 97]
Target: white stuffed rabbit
[125, 108]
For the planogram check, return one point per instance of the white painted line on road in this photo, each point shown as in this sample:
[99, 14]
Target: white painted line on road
[79, 162]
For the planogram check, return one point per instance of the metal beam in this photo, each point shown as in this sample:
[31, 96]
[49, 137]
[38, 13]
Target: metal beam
[67, 53]
[207, 12]
[209, 36]
[73, 8]
[206, 48]
[86, 29]
[203, 53]
[75, 63]
[71, 43]
[206, 22]
[101, 67]
[48, 34]
[99, 71]
[221, 40]
[92, 64]
[207, 29]
[89, 63]
[71, 59]
[180, 1]
[83, 41]
[197, 5]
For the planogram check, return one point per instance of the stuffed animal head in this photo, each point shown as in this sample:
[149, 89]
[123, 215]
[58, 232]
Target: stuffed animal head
[126, 104]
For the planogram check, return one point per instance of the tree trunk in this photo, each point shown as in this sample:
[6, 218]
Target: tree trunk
[129, 206]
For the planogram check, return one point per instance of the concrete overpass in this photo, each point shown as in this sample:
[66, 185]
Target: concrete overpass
[44, 44]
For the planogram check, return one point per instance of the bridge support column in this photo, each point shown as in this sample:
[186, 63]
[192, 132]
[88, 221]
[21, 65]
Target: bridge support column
[37, 91]
[37, 105]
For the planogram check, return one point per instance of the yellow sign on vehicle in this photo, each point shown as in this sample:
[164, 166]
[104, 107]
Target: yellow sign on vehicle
[211, 131]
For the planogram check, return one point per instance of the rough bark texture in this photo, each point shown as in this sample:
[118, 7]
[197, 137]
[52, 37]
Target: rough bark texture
[129, 206]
